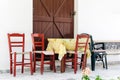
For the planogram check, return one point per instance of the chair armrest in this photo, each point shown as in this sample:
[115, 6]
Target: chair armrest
[99, 46]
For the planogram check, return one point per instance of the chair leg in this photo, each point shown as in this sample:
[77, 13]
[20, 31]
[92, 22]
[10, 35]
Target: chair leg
[93, 55]
[22, 63]
[102, 59]
[84, 61]
[103, 64]
[14, 65]
[31, 68]
[51, 62]
[106, 61]
[72, 64]
[42, 63]
[11, 70]
[34, 62]
[75, 63]
[65, 57]
[81, 61]
[54, 63]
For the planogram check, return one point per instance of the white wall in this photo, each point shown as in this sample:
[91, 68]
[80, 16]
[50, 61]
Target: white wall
[101, 18]
[15, 16]
[91, 16]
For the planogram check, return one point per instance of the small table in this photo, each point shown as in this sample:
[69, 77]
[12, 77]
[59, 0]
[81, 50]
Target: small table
[60, 47]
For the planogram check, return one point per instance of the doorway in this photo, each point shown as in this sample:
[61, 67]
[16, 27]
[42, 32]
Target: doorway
[53, 18]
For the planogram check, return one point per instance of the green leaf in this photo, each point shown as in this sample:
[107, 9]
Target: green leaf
[98, 78]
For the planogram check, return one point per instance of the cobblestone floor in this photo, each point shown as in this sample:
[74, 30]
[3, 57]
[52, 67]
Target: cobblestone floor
[112, 72]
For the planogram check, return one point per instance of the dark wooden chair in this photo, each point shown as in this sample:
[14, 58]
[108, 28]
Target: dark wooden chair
[79, 60]
[38, 49]
[16, 43]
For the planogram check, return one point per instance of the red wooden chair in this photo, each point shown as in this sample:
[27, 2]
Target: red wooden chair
[16, 43]
[79, 60]
[38, 49]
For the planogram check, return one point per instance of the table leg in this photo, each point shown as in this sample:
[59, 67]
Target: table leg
[63, 65]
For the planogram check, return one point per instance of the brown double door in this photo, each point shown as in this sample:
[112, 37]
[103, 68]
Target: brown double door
[53, 18]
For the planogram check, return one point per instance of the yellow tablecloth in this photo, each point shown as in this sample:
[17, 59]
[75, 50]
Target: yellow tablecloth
[60, 46]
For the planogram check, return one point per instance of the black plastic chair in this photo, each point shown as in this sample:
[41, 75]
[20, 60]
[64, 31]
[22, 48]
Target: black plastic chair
[98, 53]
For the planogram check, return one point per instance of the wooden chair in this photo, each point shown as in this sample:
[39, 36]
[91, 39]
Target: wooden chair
[16, 43]
[38, 49]
[79, 60]
[98, 53]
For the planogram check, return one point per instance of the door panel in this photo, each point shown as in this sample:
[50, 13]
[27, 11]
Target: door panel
[53, 18]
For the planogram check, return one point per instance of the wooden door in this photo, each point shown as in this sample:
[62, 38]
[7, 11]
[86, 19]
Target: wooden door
[54, 18]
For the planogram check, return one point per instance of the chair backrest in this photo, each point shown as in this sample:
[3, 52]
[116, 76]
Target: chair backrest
[37, 41]
[16, 42]
[96, 46]
[82, 41]
[91, 43]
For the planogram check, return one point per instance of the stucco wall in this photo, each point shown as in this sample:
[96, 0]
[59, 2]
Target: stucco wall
[15, 16]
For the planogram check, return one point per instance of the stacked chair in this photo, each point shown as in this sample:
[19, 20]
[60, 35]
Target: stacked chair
[98, 53]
